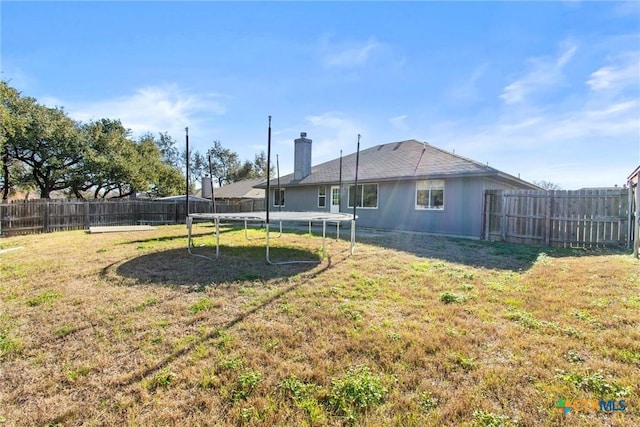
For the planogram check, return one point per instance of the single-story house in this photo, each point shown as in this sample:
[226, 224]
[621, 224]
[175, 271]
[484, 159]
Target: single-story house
[239, 191]
[407, 185]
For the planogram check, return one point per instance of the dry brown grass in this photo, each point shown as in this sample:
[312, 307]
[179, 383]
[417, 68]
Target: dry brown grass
[128, 329]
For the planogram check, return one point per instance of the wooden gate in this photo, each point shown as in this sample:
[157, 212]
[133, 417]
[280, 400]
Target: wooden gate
[585, 218]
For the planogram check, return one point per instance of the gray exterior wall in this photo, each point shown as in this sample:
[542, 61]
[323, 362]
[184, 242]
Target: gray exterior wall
[298, 199]
[461, 216]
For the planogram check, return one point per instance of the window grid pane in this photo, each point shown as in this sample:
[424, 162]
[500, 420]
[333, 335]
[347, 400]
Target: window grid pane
[366, 196]
[322, 196]
[430, 194]
[278, 197]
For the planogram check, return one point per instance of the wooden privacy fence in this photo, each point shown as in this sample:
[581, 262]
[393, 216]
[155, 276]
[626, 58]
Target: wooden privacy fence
[585, 218]
[46, 215]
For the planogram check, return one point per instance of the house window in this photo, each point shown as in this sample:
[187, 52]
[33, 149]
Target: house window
[322, 196]
[278, 197]
[365, 197]
[430, 194]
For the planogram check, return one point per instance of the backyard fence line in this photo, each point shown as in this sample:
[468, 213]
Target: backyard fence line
[581, 218]
[48, 215]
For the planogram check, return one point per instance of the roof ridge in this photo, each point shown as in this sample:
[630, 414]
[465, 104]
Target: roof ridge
[468, 159]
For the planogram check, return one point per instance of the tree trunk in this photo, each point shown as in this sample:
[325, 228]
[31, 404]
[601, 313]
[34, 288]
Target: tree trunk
[5, 174]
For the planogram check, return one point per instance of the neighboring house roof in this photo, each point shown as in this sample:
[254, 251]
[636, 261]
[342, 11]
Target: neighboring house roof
[182, 197]
[633, 176]
[409, 159]
[240, 190]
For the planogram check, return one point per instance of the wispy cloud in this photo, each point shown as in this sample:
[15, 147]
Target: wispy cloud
[332, 132]
[400, 122]
[153, 109]
[16, 76]
[466, 92]
[348, 54]
[623, 72]
[544, 72]
[534, 145]
[558, 141]
[627, 8]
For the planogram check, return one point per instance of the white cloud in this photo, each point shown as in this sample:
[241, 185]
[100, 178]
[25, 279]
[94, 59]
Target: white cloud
[614, 109]
[332, 132]
[588, 143]
[624, 73]
[627, 8]
[348, 54]
[153, 109]
[545, 72]
[16, 77]
[399, 122]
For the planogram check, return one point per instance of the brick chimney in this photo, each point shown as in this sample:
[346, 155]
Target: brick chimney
[302, 157]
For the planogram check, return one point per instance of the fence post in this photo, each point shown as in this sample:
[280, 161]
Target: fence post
[547, 218]
[45, 224]
[487, 214]
[87, 223]
[636, 220]
[136, 216]
[630, 214]
[503, 218]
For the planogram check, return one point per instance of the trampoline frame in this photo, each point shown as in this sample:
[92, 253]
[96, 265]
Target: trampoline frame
[280, 216]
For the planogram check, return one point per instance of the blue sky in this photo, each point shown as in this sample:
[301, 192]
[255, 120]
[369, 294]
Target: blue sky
[547, 90]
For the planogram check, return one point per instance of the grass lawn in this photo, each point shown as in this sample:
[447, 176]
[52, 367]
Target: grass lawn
[128, 329]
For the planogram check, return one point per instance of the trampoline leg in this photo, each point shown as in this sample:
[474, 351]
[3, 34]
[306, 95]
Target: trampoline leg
[353, 236]
[189, 242]
[267, 244]
[337, 230]
[324, 234]
[190, 239]
[294, 261]
[217, 237]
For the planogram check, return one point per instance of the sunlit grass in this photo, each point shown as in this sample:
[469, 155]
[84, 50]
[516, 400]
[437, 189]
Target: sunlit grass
[410, 330]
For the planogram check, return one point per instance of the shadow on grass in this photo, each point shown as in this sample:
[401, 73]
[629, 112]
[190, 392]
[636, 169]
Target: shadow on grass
[176, 267]
[474, 253]
[134, 377]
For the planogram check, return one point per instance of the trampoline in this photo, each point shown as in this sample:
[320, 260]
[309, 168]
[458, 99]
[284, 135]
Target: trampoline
[266, 218]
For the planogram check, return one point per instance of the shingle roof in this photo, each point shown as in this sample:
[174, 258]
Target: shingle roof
[409, 159]
[240, 190]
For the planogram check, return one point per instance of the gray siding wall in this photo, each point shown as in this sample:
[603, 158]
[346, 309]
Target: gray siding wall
[461, 216]
[462, 213]
[298, 199]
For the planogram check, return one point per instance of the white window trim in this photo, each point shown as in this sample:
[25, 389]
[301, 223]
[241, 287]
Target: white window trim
[325, 196]
[275, 191]
[429, 188]
[362, 200]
